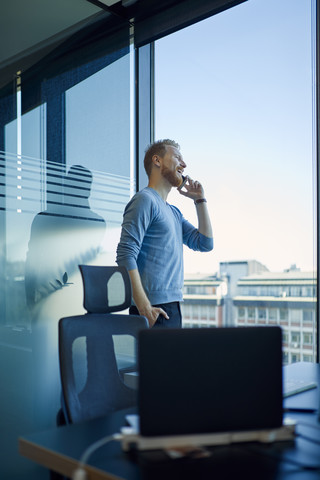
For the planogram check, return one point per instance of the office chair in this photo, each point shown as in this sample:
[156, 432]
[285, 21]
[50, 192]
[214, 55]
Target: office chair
[87, 345]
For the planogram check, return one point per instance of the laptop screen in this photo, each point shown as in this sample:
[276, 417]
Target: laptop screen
[209, 380]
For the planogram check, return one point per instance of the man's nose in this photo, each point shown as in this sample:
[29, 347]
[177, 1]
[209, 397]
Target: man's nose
[183, 163]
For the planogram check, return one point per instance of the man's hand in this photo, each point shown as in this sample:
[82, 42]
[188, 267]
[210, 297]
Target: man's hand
[152, 314]
[193, 189]
[141, 300]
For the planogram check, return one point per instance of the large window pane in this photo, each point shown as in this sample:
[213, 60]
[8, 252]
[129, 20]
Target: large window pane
[98, 138]
[236, 92]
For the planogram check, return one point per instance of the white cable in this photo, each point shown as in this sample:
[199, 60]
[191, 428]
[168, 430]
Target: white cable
[80, 473]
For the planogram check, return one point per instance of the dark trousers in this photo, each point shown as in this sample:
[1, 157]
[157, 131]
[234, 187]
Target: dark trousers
[173, 311]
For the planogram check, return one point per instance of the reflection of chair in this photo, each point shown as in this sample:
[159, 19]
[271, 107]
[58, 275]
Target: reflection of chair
[91, 383]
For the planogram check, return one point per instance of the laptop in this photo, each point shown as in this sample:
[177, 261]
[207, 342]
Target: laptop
[208, 381]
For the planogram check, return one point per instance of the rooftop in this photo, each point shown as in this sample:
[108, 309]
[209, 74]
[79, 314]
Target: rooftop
[280, 277]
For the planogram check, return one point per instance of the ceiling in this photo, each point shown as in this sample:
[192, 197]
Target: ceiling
[25, 25]
[30, 29]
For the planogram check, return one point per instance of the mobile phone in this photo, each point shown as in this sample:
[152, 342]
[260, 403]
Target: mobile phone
[184, 181]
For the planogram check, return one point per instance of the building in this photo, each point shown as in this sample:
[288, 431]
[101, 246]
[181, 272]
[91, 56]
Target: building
[203, 302]
[208, 300]
[231, 272]
[287, 299]
[239, 297]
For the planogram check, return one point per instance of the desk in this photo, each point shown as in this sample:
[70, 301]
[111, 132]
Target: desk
[60, 449]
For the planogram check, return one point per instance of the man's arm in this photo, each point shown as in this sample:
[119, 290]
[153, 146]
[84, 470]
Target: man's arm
[135, 222]
[195, 191]
[141, 300]
[204, 223]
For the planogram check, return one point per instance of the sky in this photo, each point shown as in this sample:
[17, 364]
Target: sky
[235, 91]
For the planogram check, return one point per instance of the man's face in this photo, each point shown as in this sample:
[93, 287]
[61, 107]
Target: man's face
[172, 166]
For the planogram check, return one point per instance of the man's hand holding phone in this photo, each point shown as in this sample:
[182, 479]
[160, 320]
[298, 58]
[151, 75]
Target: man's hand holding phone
[191, 188]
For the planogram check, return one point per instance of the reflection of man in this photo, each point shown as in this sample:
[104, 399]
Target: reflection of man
[61, 237]
[153, 234]
[64, 235]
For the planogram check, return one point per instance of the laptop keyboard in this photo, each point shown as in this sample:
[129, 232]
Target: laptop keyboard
[294, 386]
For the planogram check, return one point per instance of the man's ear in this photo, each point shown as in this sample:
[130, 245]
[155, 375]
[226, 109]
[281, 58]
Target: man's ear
[156, 160]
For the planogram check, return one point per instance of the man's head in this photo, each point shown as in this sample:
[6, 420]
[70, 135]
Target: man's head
[157, 148]
[78, 182]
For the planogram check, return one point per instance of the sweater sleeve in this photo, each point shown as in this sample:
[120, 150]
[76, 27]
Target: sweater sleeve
[194, 239]
[136, 219]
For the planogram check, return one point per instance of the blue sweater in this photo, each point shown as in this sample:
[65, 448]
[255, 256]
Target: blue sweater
[152, 238]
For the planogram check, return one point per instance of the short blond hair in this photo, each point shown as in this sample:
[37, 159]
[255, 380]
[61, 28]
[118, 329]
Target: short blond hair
[157, 148]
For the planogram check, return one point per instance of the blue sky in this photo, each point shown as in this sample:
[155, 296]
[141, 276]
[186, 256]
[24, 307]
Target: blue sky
[236, 92]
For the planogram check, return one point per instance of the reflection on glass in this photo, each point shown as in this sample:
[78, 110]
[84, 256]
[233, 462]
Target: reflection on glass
[65, 235]
[53, 217]
[98, 137]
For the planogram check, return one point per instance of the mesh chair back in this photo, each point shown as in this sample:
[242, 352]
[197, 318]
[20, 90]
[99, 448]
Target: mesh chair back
[102, 390]
[91, 383]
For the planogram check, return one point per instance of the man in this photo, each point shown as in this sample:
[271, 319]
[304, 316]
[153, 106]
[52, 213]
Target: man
[153, 234]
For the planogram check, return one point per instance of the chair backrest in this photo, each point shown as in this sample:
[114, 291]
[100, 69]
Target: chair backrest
[101, 388]
[90, 378]
[106, 289]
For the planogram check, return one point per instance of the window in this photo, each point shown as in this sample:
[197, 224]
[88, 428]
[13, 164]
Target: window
[185, 308]
[263, 291]
[204, 312]
[295, 292]
[308, 316]
[262, 313]
[195, 311]
[307, 358]
[295, 357]
[241, 312]
[308, 292]
[235, 88]
[273, 291]
[212, 313]
[295, 315]
[307, 338]
[244, 290]
[272, 312]
[295, 339]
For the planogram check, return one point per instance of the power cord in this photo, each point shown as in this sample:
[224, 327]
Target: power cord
[80, 473]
